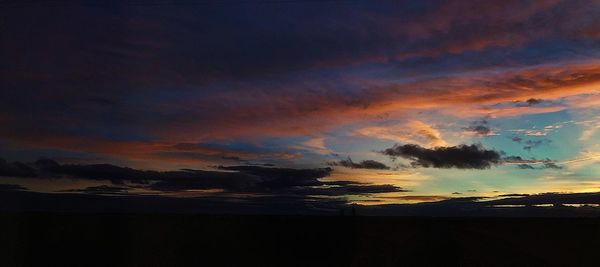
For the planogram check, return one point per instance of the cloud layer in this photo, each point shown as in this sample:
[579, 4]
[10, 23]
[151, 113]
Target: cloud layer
[251, 180]
[283, 75]
[175, 91]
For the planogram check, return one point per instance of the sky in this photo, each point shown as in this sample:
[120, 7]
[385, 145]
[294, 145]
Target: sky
[365, 102]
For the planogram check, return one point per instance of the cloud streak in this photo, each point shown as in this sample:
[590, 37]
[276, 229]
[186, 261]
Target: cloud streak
[412, 132]
[365, 164]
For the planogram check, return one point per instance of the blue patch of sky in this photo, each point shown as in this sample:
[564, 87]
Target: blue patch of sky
[564, 141]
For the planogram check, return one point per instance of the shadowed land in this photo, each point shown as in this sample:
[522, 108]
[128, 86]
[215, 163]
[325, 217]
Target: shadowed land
[37, 239]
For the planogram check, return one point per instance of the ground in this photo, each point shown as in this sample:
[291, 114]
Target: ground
[42, 239]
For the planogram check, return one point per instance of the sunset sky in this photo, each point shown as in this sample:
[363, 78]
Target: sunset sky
[370, 102]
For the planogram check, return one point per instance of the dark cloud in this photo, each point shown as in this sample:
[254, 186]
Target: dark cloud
[525, 167]
[531, 164]
[11, 187]
[531, 144]
[227, 179]
[102, 190]
[115, 174]
[479, 128]
[521, 160]
[201, 180]
[533, 101]
[530, 102]
[233, 158]
[166, 41]
[461, 157]
[514, 195]
[549, 198]
[515, 159]
[278, 181]
[365, 164]
[282, 177]
[551, 165]
[528, 145]
[16, 169]
[353, 189]
[516, 139]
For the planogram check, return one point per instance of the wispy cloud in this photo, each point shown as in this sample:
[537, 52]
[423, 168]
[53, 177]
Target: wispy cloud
[416, 132]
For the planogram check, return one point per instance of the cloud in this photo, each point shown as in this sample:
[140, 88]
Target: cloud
[517, 160]
[549, 198]
[546, 165]
[529, 102]
[297, 111]
[585, 101]
[242, 179]
[530, 164]
[365, 164]
[551, 165]
[304, 84]
[531, 144]
[585, 158]
[513, 195]
[11, 187]
[316, 145]
[168, 153]
[101, 190]
[16, 169]
[371, 33]
[419, 198]
[263, 180]
[535, 132]
[412, 132]
[525, 167]
[461, 157]
[284, 177]
[533, 101]
[115, 174]
[479, 128]
[345, 190]
[591, 128]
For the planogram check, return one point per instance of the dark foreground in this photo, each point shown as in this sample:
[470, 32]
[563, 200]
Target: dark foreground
[188, 240]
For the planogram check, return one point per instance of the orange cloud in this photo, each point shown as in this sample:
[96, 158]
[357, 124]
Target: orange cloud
[316, 145]
[413, 132]
[299, 111]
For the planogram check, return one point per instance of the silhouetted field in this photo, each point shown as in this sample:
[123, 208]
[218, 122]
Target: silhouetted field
[39, 239]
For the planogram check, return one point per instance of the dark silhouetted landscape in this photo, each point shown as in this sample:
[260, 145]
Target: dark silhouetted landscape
[59, 239]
